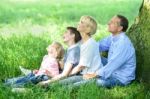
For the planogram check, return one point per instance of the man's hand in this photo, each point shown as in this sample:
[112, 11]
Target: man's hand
[89, 76]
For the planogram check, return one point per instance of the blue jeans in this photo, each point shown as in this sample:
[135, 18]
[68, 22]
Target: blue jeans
[110, 82]
[75, 81]
[104, 60]
[21, 81]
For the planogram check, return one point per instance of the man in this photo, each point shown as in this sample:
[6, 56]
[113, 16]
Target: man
[121, 62]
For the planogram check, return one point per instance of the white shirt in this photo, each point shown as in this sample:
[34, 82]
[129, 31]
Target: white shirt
[90, 56]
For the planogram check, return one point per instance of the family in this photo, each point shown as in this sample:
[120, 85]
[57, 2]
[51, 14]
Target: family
[82, 62]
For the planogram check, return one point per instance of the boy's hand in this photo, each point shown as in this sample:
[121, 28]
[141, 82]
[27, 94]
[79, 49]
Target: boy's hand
[89, 76]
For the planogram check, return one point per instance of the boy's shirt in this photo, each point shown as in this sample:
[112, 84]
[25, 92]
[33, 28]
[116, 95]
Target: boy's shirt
[48, 64]
[72, 55]
[90, 57]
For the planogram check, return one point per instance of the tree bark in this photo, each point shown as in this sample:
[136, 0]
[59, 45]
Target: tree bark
[140, 36]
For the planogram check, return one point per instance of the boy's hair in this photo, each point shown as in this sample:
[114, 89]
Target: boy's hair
[60, 50]
[91, 23]
[123, 22]
[74, 31]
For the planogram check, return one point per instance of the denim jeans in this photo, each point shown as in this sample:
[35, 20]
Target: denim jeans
[104, 60]
[75, 81]
[110, 82]
[21, 81]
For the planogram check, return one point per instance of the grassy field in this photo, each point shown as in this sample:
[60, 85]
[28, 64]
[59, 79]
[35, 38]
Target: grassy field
[28, 26]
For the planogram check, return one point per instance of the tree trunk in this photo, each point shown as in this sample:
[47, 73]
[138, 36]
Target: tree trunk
[140, 36]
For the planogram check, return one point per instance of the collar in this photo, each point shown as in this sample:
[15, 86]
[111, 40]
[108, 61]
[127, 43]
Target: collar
[117, 37]
[72, 46]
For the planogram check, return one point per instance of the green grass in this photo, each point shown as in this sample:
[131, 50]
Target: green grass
[28, 26]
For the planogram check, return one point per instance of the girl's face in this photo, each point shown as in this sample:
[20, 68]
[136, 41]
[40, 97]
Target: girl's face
[51, 49]
[67, 36]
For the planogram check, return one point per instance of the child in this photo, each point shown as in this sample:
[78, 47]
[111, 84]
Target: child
[71, 37]
[49, 67]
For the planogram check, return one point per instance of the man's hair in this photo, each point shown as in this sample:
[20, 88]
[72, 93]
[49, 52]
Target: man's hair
[74, 31]
[90, 21]
[123, 22]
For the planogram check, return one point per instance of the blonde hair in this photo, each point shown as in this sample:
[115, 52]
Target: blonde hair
[91, 23]
[60, 50]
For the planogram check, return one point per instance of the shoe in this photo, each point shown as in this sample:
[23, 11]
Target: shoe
[25, 71]
[19, 90]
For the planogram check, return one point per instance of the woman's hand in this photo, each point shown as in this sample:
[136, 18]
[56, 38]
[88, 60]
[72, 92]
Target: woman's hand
[89, 76]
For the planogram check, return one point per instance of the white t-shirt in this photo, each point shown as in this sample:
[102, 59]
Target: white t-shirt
[90, 57]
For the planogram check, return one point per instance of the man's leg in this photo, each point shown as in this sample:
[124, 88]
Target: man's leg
[104, 60]
[111, 82]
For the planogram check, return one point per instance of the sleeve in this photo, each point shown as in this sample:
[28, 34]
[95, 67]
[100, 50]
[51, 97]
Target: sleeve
[120, 56]
[86, 56]
[104, 44]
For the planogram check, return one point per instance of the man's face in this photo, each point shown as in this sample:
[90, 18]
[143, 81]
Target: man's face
[114, 25]
[67, 36]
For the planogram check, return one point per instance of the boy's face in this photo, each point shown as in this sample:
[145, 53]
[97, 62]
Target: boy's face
[67, 36]
[51, 49]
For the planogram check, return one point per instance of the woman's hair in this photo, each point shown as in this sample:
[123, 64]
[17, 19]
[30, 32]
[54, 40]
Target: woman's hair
[91, 23]
[60, 50]
[74, 31]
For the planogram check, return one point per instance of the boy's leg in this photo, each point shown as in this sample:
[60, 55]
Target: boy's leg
[111, 82]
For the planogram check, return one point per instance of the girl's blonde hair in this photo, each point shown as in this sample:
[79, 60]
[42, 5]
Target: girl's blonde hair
[90, 23]
[60, 50]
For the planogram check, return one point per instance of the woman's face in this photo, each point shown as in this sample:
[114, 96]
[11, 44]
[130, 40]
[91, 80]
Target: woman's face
[83, 26]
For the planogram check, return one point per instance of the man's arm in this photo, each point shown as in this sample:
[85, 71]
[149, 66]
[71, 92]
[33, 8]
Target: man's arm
[120, 55]
[104, 44]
